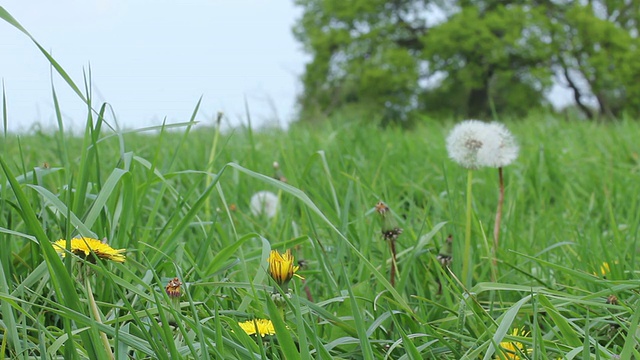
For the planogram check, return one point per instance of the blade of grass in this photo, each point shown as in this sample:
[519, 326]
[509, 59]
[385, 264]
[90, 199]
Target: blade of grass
[303, 330]
[105, 193]
[9, 320]
[283, 334]
[631, 340]
[5, 118]
[504, 326]
[412, 351]
[569, 336]
[63, 153]
[361, 327]
[4, 15]
[190, 123]
[63, 210]
[325, 167]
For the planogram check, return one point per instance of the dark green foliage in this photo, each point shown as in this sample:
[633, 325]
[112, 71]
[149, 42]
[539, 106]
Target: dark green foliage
[392, 59]
[364, 52]
[498, 57]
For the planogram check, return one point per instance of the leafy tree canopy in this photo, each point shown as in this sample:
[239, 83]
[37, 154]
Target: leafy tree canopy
[469, 58]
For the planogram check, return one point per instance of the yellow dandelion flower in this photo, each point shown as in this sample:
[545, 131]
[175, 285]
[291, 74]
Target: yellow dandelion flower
[262, 326]
[512, 350]
[84, 247]
[282, 268]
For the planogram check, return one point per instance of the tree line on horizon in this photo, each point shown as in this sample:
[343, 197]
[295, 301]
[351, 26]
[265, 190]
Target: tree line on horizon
[466, 58]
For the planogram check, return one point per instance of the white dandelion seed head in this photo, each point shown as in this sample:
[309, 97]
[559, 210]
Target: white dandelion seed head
[500, 148]
[264, 202]
[465, 141]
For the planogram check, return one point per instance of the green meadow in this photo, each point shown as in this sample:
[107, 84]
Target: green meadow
[182, 264]
[178, 200]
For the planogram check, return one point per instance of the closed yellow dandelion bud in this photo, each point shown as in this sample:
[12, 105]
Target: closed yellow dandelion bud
[388, 224]
[282, 268]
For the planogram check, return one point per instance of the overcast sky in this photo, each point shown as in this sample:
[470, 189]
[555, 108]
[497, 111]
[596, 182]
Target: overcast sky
[151, 59]
[154, 59]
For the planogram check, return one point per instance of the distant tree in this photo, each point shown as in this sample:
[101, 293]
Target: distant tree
[491, 56]
[393, 58]
[365, 52]
[596, 51]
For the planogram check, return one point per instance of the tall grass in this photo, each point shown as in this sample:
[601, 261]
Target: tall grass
[571, 205]
[180, 206]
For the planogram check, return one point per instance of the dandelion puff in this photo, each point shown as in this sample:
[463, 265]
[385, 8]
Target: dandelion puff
[499, 149]
[264, 202]
[465, 142]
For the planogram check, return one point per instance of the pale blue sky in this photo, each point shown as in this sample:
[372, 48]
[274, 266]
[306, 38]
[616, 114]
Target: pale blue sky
[151, 59]
[154, 59]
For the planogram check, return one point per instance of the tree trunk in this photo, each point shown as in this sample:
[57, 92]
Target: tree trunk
[478, 101]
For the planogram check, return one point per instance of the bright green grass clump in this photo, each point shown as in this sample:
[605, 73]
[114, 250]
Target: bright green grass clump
[568, 244]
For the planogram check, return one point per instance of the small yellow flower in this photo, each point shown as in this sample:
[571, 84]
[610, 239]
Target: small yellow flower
[173, 288]
[512, 350]
[262, 326]
[281, 267]
[605, 269]
[83, 247]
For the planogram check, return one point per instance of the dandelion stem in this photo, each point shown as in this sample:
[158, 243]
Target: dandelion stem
[496, 226]
[392, 244]
[97, 317]
[466, 260]
[307, 291]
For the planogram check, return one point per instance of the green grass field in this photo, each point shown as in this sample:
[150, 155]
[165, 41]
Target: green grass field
[176, 200]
